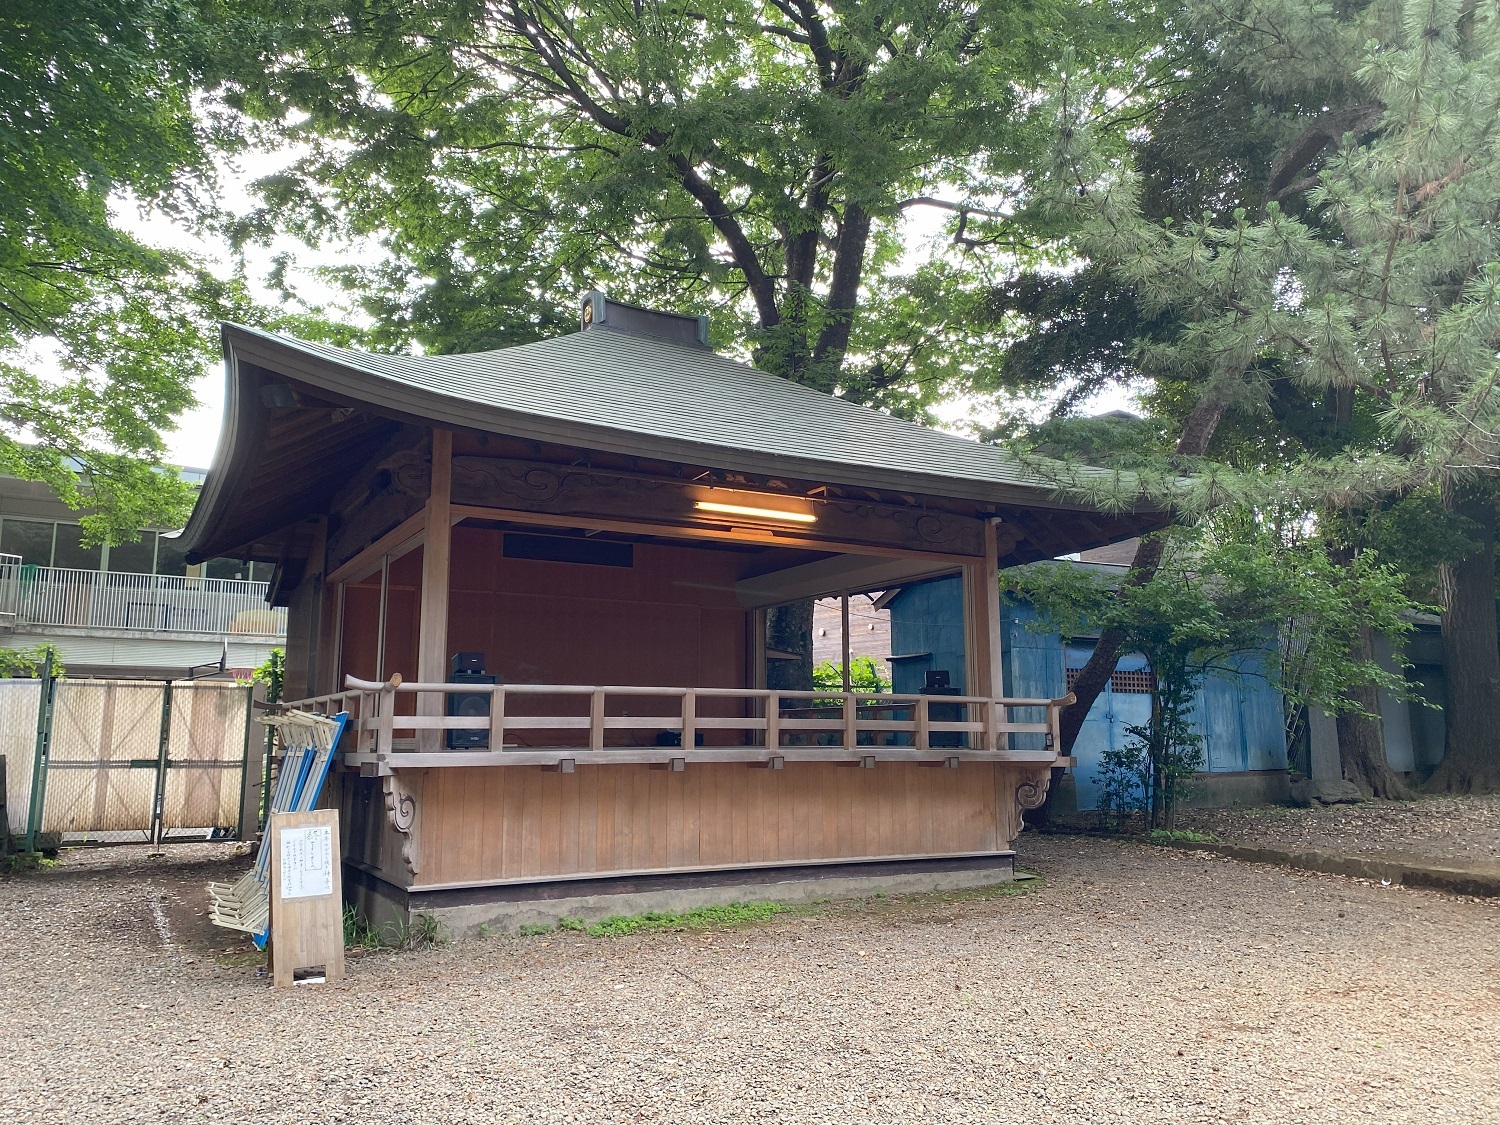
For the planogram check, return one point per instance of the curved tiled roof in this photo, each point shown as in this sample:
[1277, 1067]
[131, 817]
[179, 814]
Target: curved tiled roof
[637, 393]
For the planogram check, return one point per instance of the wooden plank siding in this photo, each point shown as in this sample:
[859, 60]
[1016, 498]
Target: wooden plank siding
[483, 825]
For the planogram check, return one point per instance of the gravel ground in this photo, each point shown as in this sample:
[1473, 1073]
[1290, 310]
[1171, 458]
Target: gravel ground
[1137, 984]
[1450, 831]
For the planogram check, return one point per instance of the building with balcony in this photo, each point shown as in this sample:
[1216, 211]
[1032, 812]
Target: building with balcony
[137, 609]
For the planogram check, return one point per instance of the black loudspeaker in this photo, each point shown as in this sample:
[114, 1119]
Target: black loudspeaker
[467, 662]
[937, 683]
[468, 667]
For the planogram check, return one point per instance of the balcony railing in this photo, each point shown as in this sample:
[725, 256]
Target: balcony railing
[563, 725]
[53, 596]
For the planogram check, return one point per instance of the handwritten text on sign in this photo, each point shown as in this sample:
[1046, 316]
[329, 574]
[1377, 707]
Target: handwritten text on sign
[306, 862]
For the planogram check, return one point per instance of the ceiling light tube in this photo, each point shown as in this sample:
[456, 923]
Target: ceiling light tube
[757, 513]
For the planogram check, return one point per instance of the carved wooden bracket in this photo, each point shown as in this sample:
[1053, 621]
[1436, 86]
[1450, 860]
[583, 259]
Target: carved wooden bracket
[1032, 791]
[401, 810]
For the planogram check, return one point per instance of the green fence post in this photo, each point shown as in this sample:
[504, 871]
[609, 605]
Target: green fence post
[157, 806]
[39, 762]
[239, 824]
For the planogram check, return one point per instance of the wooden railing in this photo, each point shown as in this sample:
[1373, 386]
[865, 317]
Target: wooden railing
[561, 724]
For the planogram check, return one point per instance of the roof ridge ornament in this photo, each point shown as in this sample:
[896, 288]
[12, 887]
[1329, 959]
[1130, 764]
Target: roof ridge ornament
[598, 311]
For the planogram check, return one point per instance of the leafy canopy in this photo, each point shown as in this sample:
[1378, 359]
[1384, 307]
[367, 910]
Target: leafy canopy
[745, 154]
[96, 111]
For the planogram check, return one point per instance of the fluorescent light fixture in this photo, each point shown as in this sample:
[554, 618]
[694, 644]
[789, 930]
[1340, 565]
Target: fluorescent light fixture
[756, 513]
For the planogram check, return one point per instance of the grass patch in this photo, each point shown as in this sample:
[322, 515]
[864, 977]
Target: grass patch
[425, 930]
[704, 918]
[1180, 835]
[17, 862]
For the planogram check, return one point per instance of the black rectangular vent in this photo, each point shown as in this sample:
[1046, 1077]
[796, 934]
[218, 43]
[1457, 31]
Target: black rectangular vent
[560, 548]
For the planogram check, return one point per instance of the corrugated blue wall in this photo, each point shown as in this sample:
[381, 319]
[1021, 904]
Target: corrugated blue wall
[927, 633]
[1237, 712]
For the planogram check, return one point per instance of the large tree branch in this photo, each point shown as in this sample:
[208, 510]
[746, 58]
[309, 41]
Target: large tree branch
[1324, 131]
[843, 286]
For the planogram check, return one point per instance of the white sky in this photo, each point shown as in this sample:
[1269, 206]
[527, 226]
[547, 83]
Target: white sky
[193, 443]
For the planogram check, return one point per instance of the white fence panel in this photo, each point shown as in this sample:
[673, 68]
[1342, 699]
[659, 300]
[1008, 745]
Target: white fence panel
[92, 599]
[19, 702]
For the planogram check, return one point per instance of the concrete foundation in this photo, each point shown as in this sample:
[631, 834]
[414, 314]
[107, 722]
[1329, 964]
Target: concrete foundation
[1252, 787]
[507, 907]
[1204, 791]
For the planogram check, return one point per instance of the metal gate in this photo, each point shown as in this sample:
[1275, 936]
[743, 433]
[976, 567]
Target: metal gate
[128, 761]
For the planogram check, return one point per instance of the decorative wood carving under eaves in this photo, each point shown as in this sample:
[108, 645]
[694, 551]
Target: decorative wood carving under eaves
[376, 501]
[537, 487]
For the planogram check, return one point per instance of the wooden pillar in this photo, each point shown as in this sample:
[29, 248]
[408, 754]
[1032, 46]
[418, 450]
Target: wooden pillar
[983, 656]
[844, 625]
[437, 547]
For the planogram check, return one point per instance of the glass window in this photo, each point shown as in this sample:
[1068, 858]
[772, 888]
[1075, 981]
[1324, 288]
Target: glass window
[31, 539]
[70, 550]
[170, 557]
[131, 558]
[227, 568]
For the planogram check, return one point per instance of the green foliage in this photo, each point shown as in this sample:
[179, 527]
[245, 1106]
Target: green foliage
[1242, 596]
[864, 676]
[1183, 835]
[272, 674]
[426, 932]
[29, 663]
[753, 154]
[703, 918]
[96, 97]
[16, 863]
[1367, 265]
[359, 934]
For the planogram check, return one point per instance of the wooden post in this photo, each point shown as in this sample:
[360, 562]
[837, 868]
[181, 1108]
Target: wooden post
[844, 615]
[923, 737]
[437, 547]
[689, 719]
[497, 719]
[773, 721]
[596, 720]
[982, 633]
[307, 899]
[387, 697]
[851, 722]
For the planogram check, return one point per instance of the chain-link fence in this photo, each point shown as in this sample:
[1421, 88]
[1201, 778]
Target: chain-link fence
[116, 761]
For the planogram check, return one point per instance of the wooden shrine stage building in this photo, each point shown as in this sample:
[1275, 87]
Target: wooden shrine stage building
[608, 518]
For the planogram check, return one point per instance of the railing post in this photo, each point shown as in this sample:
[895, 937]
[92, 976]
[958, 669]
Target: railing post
[497, 719]
[851, 721]
[596, 720]
[922, 736]
[384, 739]
[689, 719]
[773, 722]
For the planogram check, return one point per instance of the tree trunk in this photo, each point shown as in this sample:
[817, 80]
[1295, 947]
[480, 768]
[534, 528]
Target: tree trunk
[1197, 431]
[1362, 739]
[1471, 654]
[789, 633]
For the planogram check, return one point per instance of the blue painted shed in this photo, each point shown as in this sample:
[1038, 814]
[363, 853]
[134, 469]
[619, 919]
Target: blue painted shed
[1238, 714]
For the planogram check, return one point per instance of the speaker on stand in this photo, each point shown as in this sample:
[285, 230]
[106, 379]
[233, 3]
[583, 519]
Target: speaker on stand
[468, 668]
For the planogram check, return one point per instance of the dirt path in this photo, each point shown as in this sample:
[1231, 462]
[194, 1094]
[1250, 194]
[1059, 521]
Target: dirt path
[1136, 985]
[1448, 831]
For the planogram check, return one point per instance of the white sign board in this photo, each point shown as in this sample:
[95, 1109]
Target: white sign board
[306, 862]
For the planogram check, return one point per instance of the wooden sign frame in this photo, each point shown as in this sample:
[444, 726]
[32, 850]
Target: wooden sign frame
[307, 896]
